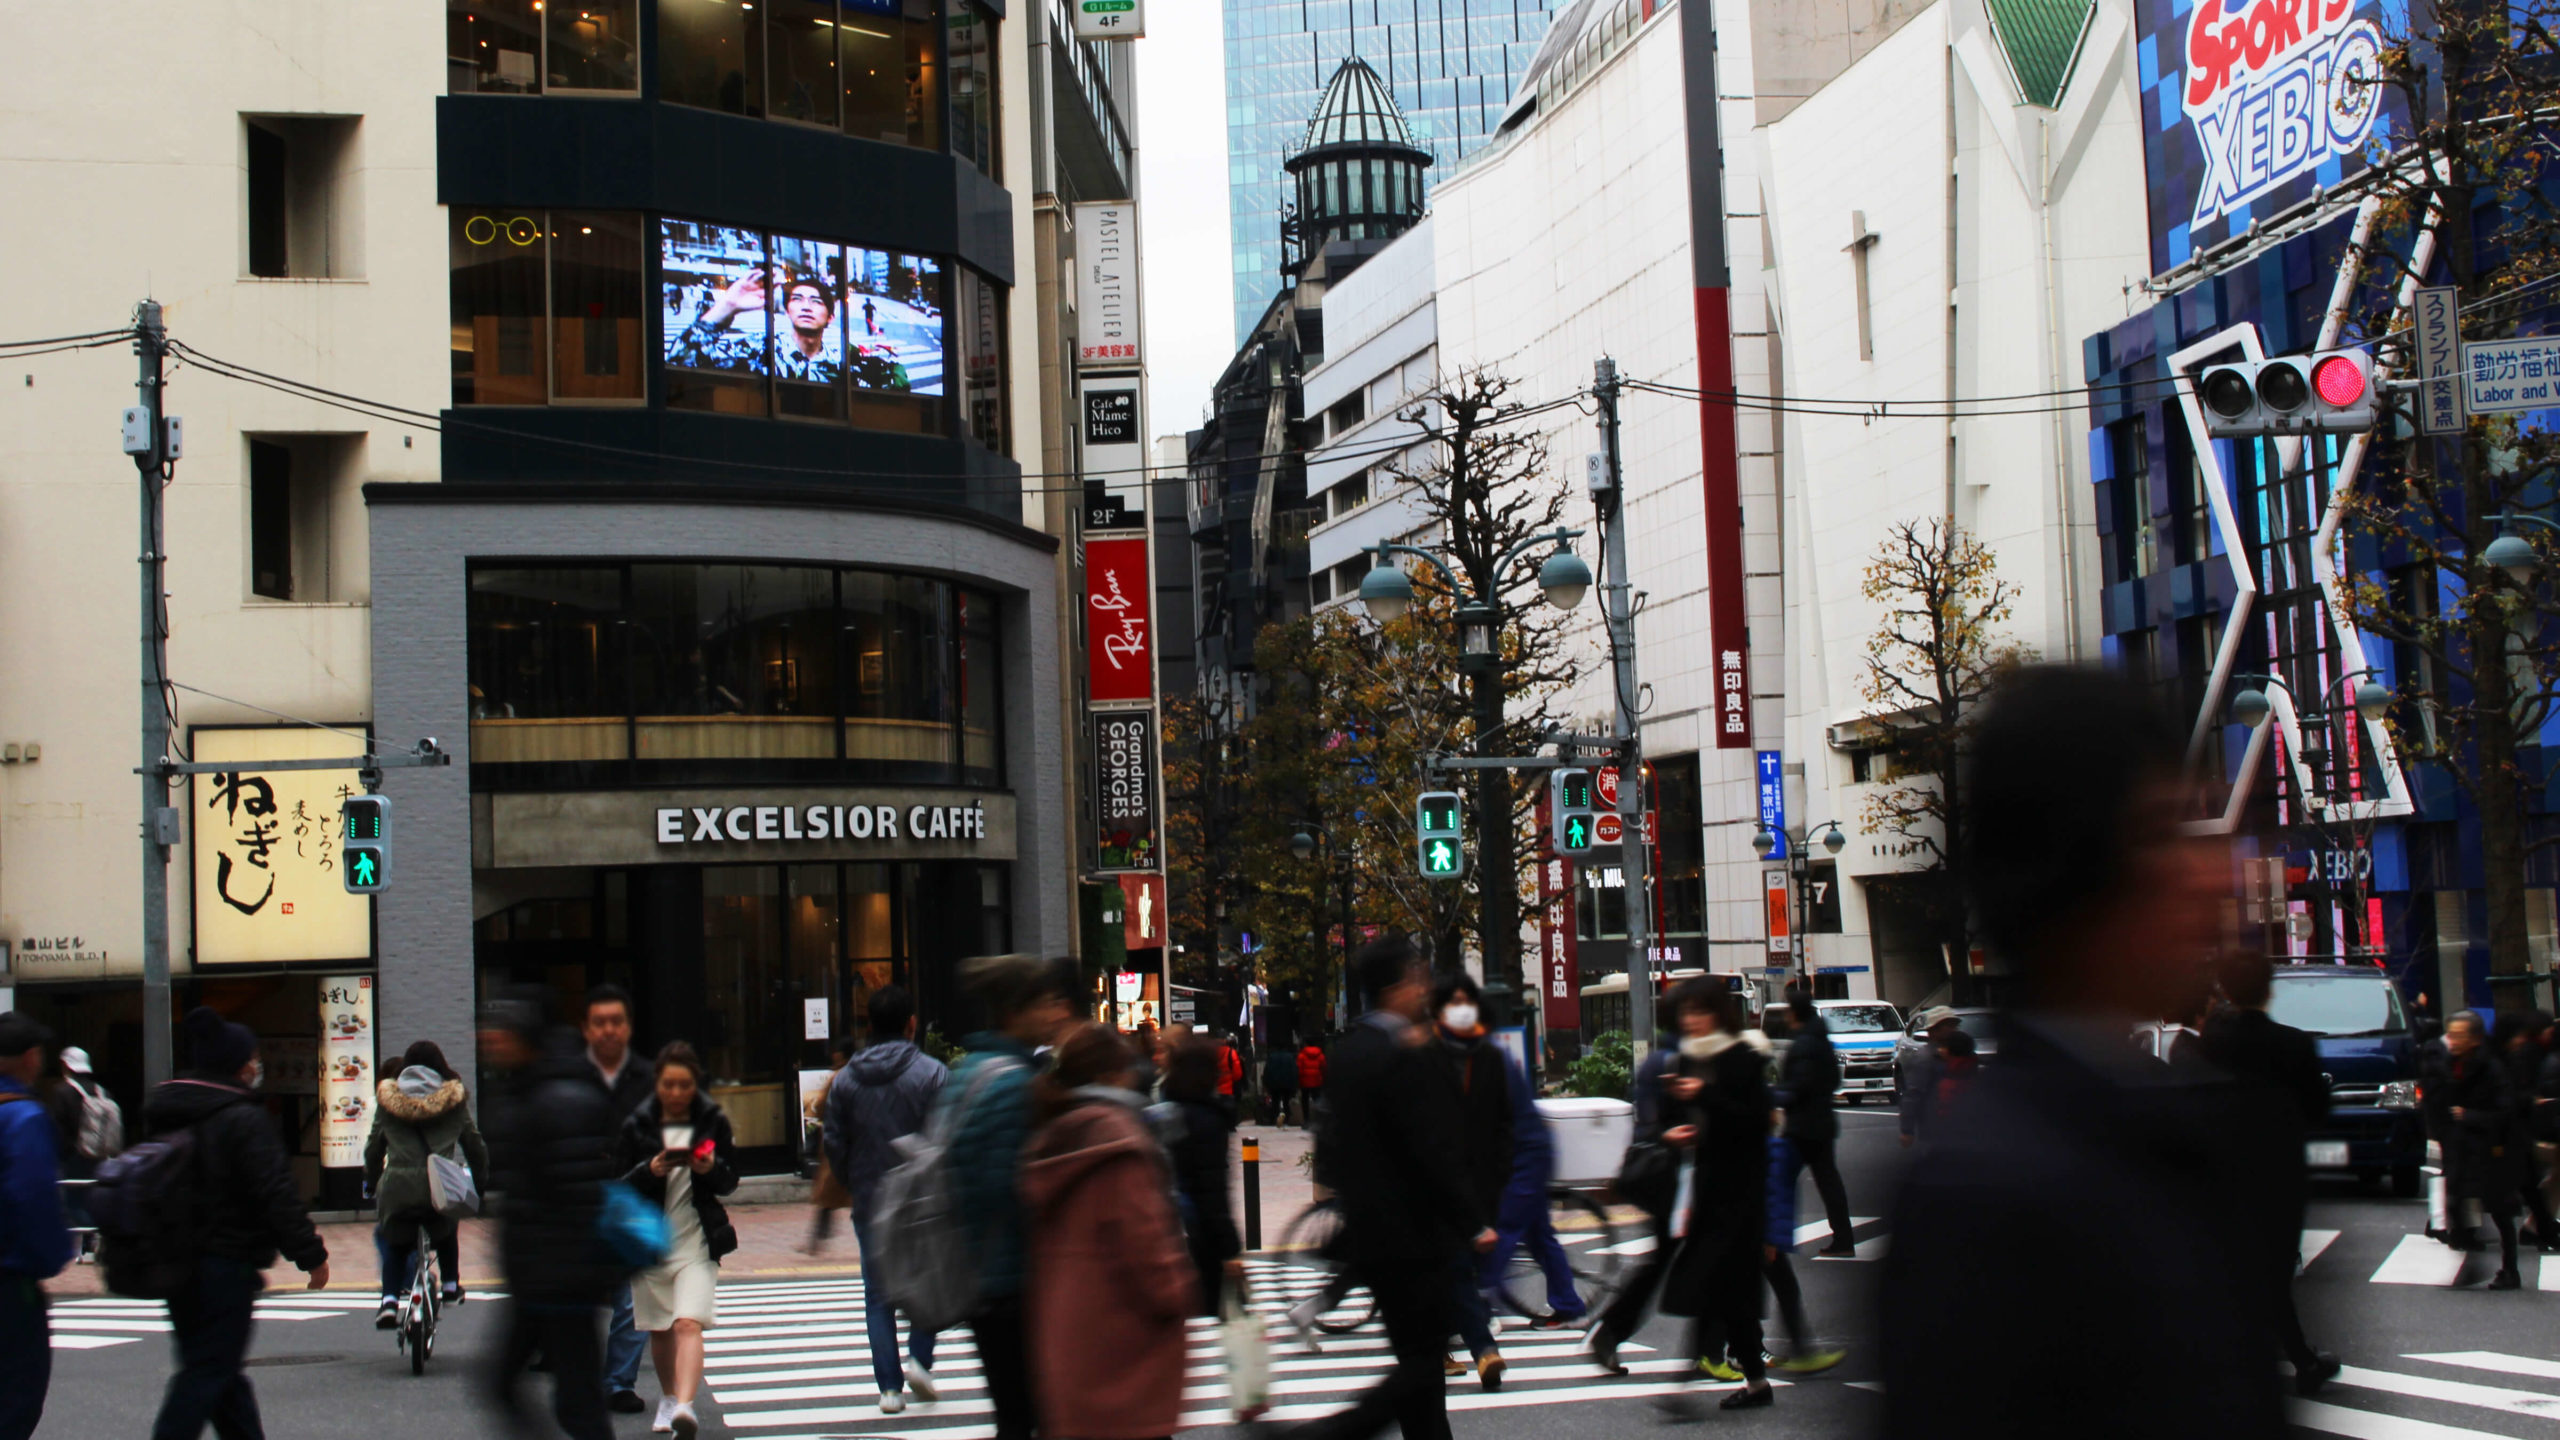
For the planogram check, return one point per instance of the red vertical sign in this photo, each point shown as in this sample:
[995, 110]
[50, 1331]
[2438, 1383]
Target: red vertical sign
[1119, 650]
[1559, 952]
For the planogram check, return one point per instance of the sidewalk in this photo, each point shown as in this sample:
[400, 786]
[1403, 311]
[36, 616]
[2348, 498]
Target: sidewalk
[770, 1236]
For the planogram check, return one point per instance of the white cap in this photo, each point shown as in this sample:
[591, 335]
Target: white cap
[76, 1060]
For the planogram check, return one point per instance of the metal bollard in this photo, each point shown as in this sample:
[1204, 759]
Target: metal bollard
[1252, 1193]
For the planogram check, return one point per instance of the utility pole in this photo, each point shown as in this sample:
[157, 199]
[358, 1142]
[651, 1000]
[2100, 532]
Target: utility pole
[1617, 609]
[152, 455]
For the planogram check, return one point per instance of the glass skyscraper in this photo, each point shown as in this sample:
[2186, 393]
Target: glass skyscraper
[1450, 64]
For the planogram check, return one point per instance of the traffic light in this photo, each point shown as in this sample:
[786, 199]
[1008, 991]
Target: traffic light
[1569, 811]
[1442, 853]
[365, 826]
[2325, 392]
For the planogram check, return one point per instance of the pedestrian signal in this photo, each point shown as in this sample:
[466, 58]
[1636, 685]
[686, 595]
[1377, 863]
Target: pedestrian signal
[365, 827]
[1436, 820]
[1569, 810]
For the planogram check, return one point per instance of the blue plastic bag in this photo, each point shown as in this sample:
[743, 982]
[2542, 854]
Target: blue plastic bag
[634, 1231]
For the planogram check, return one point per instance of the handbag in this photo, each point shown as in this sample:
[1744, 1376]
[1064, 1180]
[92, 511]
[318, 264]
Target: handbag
[1247, 1346]
[634, 1231]
[449, 1187]
[1649, 1177]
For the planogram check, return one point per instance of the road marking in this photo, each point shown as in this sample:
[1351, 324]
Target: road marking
[2365, 1425]
[2534, 1366]
[2313, 1242]
[2454, 1392]
[92, 1342]
[2417, 1260]
[1821, 1229]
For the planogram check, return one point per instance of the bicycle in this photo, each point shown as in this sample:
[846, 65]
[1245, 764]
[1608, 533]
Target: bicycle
[1582, 1224]
[420, 1303]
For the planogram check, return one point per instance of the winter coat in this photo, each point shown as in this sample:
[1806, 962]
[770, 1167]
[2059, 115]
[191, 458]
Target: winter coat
[1391, 1150]
[1808, 1076]
[1109, 1282]
[1280, 1074]
[637, 1081]
[1311, 1066]
[551, 1131]
[2485, 1152]
[644, 1136]
[883, 1092]
[1230, 1070]
[986, 1151]
[1477, 1068]
[1533, 1149]
[419, 1114]
[250, 1207]
[1198, 1149]
[34, 1243]
[1716, 1273]
[2279, 1091]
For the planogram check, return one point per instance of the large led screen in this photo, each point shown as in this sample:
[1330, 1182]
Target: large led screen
[811, 312]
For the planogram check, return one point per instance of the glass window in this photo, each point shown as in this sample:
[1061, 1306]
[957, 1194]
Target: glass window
[733, 662]
[803, 61]
[888, 52]
[898, 656]
[981, 691]
[1860, 1019]
[711, 54]
[714, 280]
[546, 666]
[594, 45]
[1681, 844]
[872, 937]
[973, 89]
[815, 942]
[741, 960]
[498, 341]
[982, 358]
[493, 47]
[2338, 1004]
[808, 344]
[2133, 553]
[596, 269]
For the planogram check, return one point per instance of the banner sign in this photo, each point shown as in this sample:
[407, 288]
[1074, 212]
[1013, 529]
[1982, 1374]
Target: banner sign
[1124, 789]
[2435, 338]
[2509, 377]
[1107, 333]
[1115, 453]
[1781, 938]
[2248, 105]
[1770, 768]
[346, 1069]
[267, 889]
[1559, 963]
[1118, 592]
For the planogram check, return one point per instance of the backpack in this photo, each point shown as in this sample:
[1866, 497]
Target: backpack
[101, 1123]
[149, 1225]
[927, 1263]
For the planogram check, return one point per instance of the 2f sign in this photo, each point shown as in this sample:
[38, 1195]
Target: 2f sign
[1110, 19]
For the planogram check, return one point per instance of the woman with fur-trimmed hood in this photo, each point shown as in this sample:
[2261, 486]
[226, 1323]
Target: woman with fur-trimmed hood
[422, 1111]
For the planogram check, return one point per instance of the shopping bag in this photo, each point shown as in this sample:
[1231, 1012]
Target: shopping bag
[1248, 1347]
[1680, 1199]
[449, 1187]
[2439, 1204]
[634, 1232]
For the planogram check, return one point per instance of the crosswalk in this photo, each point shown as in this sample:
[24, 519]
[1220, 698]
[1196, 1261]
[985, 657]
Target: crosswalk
[97, 1324]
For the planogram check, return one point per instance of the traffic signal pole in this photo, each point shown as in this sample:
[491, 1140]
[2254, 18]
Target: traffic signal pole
[159, 818]
[1617, 609]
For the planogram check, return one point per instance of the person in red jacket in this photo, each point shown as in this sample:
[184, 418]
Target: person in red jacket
[1230, 1071]
[1311, 1074]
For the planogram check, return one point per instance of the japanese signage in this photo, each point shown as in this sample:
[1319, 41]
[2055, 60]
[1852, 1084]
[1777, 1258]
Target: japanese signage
[1124, 789]
[1115, 454]
[346, 1067]
[1107, 335]
[2506, 377]
[2436, 340]
[1110, 19]
[2250, 104]
[1781, 938]
[1142, 919]
[267, 888]
[1559, 963]
[1770, 770]
[1733, 692]
[1119, 657]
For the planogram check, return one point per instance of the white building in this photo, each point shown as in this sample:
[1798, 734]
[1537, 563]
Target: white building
[1381, 350]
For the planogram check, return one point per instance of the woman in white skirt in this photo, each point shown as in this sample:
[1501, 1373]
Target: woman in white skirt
[675, 1150]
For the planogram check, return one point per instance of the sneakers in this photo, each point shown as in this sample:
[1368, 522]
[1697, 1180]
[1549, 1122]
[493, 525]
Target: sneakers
[681, 1420]
[451, 1294]
[920, 1380]
[892, 1401]
[665, 1421]
[1604, 1353]
[1715, 1369]
[388, 1317]
[1558, 1320]
[1812, 1362]
[1748, 1398]
[1489, 1368]
[1302, 1318]
[623, 1402]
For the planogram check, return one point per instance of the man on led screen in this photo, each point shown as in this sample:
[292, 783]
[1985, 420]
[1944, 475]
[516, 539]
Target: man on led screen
[709, 344]
[800, 352]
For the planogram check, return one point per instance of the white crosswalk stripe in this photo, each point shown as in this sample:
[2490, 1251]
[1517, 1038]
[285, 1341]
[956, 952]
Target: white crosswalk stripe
[2417, 1260]
[95, 1324]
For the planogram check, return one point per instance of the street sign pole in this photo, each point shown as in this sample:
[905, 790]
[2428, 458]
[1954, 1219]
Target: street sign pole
[1617, 608]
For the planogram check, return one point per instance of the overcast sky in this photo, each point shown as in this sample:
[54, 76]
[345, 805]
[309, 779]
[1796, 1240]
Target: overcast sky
[1182, 210]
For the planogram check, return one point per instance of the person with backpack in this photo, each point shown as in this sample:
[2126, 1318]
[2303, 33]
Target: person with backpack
[88, 1126]
[34, 1243]
[883, 1093]
[239, 1192]
[985, 1111]
[422, 1113]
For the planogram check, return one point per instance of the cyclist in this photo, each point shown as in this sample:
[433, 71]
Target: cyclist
[421, 1112]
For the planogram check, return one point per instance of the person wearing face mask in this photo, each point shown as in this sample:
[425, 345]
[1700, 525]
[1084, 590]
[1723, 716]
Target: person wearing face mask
[248, 1208]
[1477, 1071]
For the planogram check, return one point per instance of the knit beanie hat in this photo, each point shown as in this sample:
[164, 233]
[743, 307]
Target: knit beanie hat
[216, 1046]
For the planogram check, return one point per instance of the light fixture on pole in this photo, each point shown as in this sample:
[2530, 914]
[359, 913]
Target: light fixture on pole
[2372, 699]
[2511, 552]
[1564, 579]
[1387, 591]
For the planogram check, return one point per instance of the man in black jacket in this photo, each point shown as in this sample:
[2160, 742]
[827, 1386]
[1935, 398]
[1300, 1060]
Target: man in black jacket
[550, 1131]
[1807, 1079]
[247, 1211]
[2282, 1092]
[2075, 1209]
[628, 1082]
[1407, 1212]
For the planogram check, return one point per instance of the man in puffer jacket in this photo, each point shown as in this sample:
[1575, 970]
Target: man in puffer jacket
[885, 1091]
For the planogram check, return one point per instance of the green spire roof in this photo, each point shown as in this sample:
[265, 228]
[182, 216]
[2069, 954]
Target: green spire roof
[2041, 39]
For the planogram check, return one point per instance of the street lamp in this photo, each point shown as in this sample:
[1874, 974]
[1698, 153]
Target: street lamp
[1387, 591]
[2511, 552]
[2372, 699]
[1764, 843]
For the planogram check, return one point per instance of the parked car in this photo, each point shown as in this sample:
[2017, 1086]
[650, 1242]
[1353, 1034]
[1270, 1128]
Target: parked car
[1974, 1020]
[2370, 1057]
[1863, 1034]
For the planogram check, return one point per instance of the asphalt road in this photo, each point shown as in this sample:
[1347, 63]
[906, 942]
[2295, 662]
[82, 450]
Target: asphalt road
[2428, 1362]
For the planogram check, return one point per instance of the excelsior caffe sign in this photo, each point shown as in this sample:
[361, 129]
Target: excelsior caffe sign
[665, 827]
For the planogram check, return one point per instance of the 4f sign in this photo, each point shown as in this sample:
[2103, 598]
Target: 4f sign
[1110, 19]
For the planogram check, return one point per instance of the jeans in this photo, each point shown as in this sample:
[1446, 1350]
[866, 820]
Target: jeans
[1816, 1156]
[624, 1346]
[1415, 1394]
[211, 1322]
[1469, 1316]
[882, 1319]
[566, 1336]
[1004, 1349]
[26, 1356]
[1524, 1220]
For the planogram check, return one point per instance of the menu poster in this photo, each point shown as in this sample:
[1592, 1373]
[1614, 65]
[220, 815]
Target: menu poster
[346, 1069]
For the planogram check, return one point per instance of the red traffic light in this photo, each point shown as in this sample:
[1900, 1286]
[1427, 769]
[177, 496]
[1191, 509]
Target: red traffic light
[2339, 380]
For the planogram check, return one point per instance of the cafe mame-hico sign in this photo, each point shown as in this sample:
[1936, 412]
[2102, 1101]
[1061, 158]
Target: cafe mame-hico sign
[268, 852]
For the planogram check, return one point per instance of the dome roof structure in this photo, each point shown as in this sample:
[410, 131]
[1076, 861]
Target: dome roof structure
[1359, 171]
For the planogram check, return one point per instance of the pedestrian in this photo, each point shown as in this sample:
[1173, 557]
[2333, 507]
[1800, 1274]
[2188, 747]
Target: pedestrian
[882, 1094]
[1478, 1072]
[678, 1151]
[88, 1127]
[1626, 1311]
[551, 1132]
[1147, 1059]
[1951, 1073]
[1524, 1219]
[2546, 1114]
[988, 1101]
[1406, 1206]
[1199, 1144]
[1805, 1354]
[1279, 1084]
[2068, 1211]
[1808, 1081]
[827, 1194]
[1919, 1080]
[1310, 1079]
[34, 1243]
[2526, 1034]
[247, 1209]
[2485, 1160]
[420, 1112]
[2281, 1093]
[2182, 1028]
[628, 1081]
[1108, 1279]
[1230, 1075]
[1715, 1112]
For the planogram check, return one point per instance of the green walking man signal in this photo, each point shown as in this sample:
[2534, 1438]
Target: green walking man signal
[365, 826]
[1569, 811]
[1436, 826]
